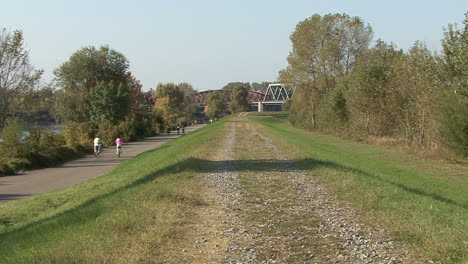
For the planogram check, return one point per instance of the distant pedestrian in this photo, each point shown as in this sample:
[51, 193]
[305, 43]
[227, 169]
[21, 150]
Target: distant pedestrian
[178, 129]
[183, 129]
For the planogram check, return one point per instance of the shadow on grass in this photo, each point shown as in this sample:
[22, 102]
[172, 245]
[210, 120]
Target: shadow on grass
[12, 196]
[90, 210]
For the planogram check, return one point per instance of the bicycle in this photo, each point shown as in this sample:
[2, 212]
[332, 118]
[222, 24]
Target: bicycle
[119, 151]
[97, 150]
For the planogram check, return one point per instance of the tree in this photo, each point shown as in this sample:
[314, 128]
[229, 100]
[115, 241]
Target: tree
[79, 76]
[40, 103]
[189, 107]
[232, 85]
[421, 88]
[455, 103]
[239, 101]
[136, 95]
[17, 76]
[169, 100]
[374, 95]
[215, 105]
[324, 50]
[108, 102]
[325, 47]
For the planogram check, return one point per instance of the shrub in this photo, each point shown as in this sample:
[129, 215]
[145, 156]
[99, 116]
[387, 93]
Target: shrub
[11, 135]
[5, 170]
[287, 105]
[42, 140]
[19, 164]
[127, 130]
[79, 133]
[108, 132]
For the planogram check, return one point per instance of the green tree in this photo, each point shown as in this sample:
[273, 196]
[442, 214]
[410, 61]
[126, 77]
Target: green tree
[239, 101]
[324, 50]
[455, 103]
[108, 102]
[17, 76]
[421, 88]
[232, 85]
[40, 104]
[374, 96]
[215, 105]
[325, 47]
[189, 107]
[169, 100]
[80, 75]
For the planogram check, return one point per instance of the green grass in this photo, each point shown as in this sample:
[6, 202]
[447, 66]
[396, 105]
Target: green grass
[426, 209]
[137, 210]
[138, 206]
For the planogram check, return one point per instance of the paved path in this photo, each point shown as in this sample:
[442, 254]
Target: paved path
[45, 180]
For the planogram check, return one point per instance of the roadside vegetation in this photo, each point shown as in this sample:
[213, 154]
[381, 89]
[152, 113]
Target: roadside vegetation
[344, 86]
[422, 202]
[93, 93]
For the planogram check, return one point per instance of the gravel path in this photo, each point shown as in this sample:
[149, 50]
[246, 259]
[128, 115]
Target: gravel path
[225, 181]
[340, 236]
[359, 243]
[45, 180]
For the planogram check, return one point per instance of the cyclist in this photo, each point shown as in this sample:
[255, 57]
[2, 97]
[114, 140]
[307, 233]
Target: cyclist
[97, 145]
[118, 144]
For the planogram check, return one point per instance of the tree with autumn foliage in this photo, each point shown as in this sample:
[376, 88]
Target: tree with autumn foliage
[169, 100]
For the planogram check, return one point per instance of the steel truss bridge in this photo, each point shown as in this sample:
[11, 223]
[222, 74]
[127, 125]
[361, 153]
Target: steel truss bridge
[272, 100]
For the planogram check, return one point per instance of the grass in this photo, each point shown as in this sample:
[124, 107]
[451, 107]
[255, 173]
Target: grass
[424, 205]
[143, 210]
[125, 216]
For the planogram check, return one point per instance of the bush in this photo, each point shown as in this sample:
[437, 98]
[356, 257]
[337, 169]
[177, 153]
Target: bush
[287, 105]
[108, 132]
[79, 134]
[19, 164]
[127, 130]
[5, 170]
[11, 135]
[42, 140]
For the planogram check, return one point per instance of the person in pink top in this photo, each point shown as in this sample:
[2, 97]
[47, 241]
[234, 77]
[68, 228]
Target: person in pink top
[118, 143]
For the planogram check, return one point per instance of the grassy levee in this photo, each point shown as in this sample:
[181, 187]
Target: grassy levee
[121, 217]
[423, 203]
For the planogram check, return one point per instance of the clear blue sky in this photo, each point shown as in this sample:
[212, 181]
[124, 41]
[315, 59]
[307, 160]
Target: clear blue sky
[207, 43]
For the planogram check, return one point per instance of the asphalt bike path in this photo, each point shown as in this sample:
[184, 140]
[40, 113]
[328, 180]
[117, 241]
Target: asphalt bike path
[73, 172]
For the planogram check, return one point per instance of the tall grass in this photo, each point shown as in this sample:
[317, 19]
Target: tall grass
[121, 217]
[421, 208]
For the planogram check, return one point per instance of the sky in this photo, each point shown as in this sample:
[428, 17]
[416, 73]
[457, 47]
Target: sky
[207, 43]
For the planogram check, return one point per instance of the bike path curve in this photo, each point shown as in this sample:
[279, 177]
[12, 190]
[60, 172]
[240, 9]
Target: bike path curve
[33, 182]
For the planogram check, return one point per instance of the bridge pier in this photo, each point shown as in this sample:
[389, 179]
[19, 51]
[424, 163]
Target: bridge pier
[260, 106]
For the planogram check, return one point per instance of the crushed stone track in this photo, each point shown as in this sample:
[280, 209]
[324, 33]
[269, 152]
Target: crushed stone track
[341, 237]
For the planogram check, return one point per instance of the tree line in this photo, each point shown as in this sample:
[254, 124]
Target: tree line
[345, 86]
[93, 93]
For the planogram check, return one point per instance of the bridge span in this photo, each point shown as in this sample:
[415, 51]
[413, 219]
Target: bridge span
[272, 100]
